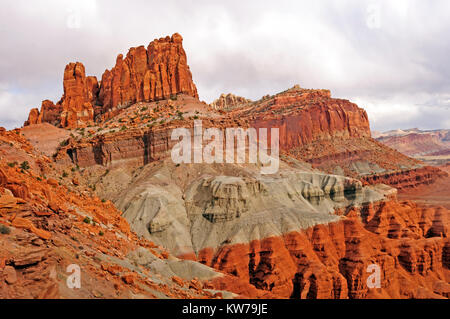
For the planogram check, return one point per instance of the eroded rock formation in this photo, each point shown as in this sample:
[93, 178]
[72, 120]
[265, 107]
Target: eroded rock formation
[77, 108]
[332, 261]
[49, 113]
[158, 72]
[155, 73]
[304, 116]
[229, 101]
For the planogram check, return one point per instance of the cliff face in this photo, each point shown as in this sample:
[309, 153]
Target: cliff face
[147, 75]
[331, 134]
[334, 136]
[137, 147]
[304, 116]
[158, 72]
[77, 107]
[407, 242]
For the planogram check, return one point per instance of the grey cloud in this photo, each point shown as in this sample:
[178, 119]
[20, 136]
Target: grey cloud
[250, 48]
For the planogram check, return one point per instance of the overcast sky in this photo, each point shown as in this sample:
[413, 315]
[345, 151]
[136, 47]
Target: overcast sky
[389, 57]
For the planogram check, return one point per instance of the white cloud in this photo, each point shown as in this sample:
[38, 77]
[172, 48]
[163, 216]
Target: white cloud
[250, 48]
[13, 106]
[419, 110]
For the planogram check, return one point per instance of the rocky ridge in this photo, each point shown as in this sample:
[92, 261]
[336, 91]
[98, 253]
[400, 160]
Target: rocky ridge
[432, 147]
[158, 72]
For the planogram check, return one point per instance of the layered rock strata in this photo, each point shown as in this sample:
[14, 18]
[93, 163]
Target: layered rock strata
[158, 72]
[297, 235]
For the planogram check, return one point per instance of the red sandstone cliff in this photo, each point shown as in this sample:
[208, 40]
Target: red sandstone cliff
[407, 242]
[77, 108]
[304, 116]
[49, 113]
[147, 75]
[155, 73]
[334, 136]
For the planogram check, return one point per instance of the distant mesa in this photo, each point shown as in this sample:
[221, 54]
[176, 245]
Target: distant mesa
[429, 146]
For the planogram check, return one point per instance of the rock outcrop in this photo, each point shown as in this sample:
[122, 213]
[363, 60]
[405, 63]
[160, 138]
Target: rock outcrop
[77, 107]
[33, 117]
[334, 136]
[158, 72]
[334, 261]
[304, 116]
[229, 101]
[49, 113]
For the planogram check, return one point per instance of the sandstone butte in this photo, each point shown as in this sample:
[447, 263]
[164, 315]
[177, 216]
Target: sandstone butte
[151, 74]
[124, 158]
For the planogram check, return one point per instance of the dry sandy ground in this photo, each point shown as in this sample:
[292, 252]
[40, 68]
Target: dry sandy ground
[45, 137]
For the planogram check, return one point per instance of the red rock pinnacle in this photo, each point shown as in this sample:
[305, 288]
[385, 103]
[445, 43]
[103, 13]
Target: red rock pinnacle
[155, 73]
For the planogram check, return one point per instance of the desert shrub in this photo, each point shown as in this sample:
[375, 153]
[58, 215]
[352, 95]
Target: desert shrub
[64, 143]
[25, 165]
[5, 230]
